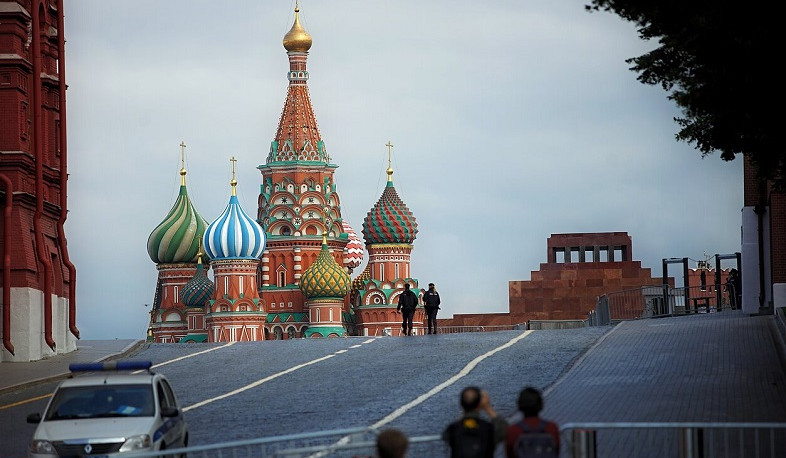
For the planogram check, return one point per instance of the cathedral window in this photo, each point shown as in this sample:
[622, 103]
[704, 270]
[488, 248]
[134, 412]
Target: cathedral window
[397, 273]
[282, 279]
[176, 295]
[285, 231]
[289, 304]
[381, 271]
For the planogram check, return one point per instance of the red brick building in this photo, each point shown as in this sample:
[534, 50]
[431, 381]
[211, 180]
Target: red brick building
[579, 268]
[38, 279]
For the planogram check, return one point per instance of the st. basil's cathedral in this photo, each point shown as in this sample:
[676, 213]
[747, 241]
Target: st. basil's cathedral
[285, 274]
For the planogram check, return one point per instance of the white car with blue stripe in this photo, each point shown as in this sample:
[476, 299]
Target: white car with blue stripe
[119, 407]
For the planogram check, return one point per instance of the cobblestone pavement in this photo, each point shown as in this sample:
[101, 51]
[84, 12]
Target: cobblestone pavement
[707, 368]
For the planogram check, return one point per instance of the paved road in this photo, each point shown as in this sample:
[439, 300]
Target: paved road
[286, 387]
[707, 368]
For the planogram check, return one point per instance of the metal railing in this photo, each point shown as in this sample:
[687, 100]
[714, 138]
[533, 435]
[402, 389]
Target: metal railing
[459, 329]
[337, 443]
[658, 301]
[673, 439]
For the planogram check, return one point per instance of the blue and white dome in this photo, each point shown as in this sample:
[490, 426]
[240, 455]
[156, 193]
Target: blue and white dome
[234, 234]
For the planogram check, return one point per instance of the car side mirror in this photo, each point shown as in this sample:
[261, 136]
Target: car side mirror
[169, 412]
[34, 418]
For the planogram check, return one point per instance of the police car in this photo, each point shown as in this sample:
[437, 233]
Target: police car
[119, 407]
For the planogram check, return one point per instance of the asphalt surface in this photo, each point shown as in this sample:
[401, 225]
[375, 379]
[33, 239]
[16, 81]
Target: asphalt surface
[719, 367]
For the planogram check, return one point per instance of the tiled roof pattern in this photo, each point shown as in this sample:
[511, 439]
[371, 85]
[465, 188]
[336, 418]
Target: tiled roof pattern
[389, 221]
[325, 278]
[198, 290]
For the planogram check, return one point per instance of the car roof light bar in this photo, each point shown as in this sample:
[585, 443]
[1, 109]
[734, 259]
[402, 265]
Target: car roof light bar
[111, 366]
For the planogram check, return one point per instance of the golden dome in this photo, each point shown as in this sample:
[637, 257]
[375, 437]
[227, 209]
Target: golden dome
[297, 39]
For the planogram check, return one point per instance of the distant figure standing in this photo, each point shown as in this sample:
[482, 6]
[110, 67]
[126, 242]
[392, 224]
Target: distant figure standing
[431, 304]
[472, 436]
[392, 443]
[407, 302]
[532, 436]
[734, 288]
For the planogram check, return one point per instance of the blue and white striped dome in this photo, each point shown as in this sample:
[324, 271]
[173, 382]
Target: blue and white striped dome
[234, 235]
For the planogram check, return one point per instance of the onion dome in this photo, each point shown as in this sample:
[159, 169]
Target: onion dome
[199, 289]
[234, 234]
[176, 239]
[390, 221]
[297, 39]
[325, 278]
[354, 254]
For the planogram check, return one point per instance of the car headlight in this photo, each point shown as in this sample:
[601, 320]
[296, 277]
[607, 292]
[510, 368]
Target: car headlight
[139, 442]
[42, 447]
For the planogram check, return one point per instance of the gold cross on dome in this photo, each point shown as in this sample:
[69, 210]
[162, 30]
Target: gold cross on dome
[390, 167]
[182, 163]
[233, 183]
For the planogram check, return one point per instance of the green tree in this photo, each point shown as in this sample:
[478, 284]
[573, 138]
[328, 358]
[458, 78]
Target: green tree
[716, 60]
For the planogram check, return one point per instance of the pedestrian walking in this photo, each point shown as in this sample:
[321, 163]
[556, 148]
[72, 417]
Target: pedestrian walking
[532, 436]
[431, 304]
[407, 302]
[472, 436]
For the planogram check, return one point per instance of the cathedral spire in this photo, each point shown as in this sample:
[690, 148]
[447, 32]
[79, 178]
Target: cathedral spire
[297, 137]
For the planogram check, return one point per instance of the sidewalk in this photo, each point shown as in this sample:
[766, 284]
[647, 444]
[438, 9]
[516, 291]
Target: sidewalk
[716, 368]
[56, 367]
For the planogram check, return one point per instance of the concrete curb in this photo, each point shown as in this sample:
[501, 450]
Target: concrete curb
[128, 350]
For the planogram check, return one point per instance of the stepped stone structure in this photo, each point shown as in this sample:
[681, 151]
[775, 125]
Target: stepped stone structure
[579, 268]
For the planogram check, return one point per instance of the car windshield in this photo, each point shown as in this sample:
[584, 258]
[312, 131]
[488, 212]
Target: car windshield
[101, 401]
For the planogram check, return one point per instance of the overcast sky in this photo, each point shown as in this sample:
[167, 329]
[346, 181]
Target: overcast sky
[511, 121]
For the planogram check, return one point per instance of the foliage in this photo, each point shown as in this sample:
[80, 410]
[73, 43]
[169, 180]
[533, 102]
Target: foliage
[716, 60]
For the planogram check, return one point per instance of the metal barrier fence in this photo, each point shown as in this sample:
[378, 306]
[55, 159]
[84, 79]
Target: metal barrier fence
[673, 439]
[657, 301]
[337, 443]
[459, 329]
[578, 440]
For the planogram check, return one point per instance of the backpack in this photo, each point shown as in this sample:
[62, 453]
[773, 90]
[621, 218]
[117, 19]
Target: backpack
[471, 438]
[534, 443]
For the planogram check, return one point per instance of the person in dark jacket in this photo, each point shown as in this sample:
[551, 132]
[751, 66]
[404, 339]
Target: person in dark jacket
[472, 435]
[431, 304]
[407, 302]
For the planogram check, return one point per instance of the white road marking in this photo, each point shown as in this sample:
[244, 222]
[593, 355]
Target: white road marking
[423, 397]
[261, 381]
[187, 356]
[460, 374]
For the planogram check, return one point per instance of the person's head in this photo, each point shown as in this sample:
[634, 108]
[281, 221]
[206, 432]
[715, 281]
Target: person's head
[470, 398]
[406, 286]
[530, 402]
[431, 286]
[392, 443]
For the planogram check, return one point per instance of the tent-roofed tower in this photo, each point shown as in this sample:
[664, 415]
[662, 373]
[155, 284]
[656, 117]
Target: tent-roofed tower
[298, 201]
